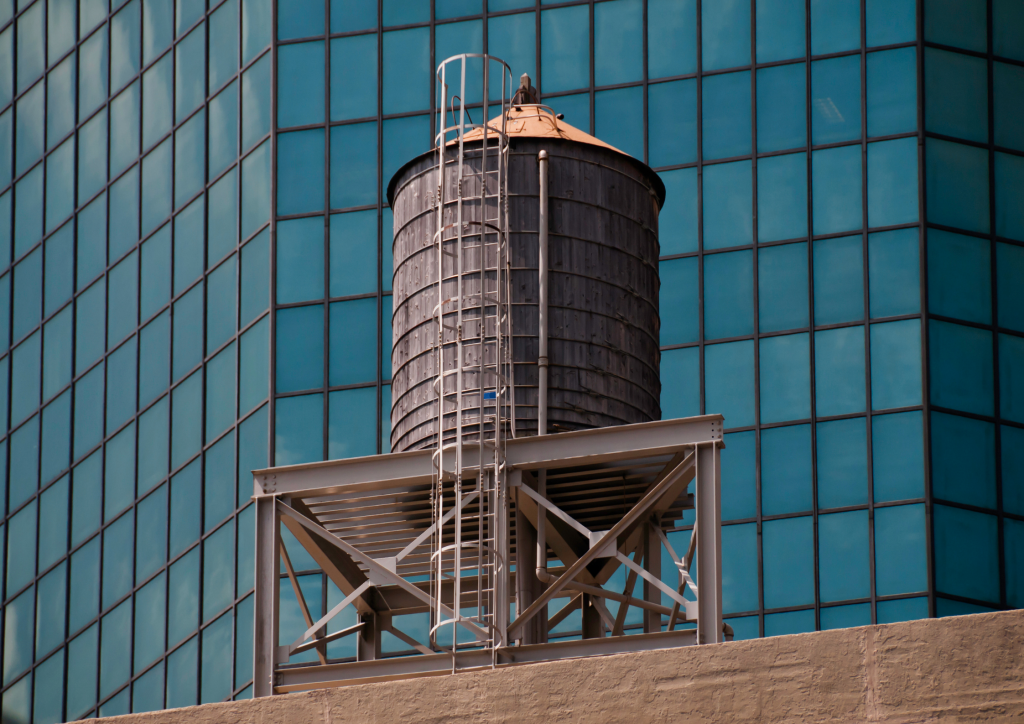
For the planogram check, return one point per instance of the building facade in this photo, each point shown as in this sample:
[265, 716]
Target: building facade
[196, 255]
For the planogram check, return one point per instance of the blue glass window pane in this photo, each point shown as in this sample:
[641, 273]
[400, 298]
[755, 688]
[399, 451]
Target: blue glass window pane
[894, 273]
[353, 241]
[856, 614]
[255, 277]
[6, 147]
[57, 354]
[222, 222]
[892, 182]
[897, 452]
[156, 189]
[92, 241]
[300, 260]
[223, 132]
[21, 553]
[56, 441]
[728, 294]
[185, 523]
[403, 139]
[961, 367]
[895, 364]
[183, 603]
[786, 470]
[219, 486]
[677, 223]
[255, 27]
[1009, 173]
[842, 457]
[60, 269]
[728, 200]
[671, 37]
[60, 99]
[31, 42]
[1011, 374]
[220, 392]
[966, 553]
[455, 8]
[125, 45]
[252, 455]
[843, 556]
[53, 525]
[672, 123]
[18, 626]
[28, 210]
[892, 91]
[782, 197]
[386, 312]
[81, 692]
[85, 507]
[354, 165]
[186, 432]
[956, 179]
[60, 184]
[406, 70]
[785, 378]
[30, 126]
[7, 56]
[781, 30]
[959, 276]
[513, 38]
[60, 28]
[215, 682]
[726, 115]
[963, 478]
[839, 371]
[222, 290]
[223, 43]
[188, 12]
[835, 99]
[88, 413]
[92, 87]
[891, 21]
[956, 95]
[256, 189]
[725, 33]
[835, 26]
[565, 48]
[302, 19]
[1013, 536]
[256, 102]
[299, 430]
[960, 23]
[739, 491]
[181, 675]
[300, 168]
[1010, 294]
[836, 174]
[790, 622]
[154, 358]
[117, 559]
[353, 76]
[729, 382]
[28, 294]
[189, 165]
[782, 287]
[300, 348]
[218, 573]
[739, 567]
[353, 342]
[946, 607]
[255, 366]
[151, 537]
[122, 293]
[156, 101]
[24, 476]
[679, 301]
[348, 16]
[121, 366]
[25, 379]
[456, 38]
[618, 119]
[404, 12]
[188, 332]
[902, 609]
[788, 563]
[618, 42]
[190, 73]
[838, 280]
[150, 622]
[1007, 19]
[680, 395]
[153, 445]
[349, 435]
[300, 84]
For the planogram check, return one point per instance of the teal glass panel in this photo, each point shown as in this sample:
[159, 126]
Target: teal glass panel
[739, 478]
[188, 12]
[843, 556]
[386, 312]
[157, 90]
[254, 375]
[154, 358]
[117, 559]
[153, 445]
[788, 564]
[891, 21]
[782, 287]
[119, 473]
[354, 165]
[300, 84]
[60, 99]
[92, 87]
[49, 689]
[21, 551]
[256, 26]
[25, 380]
[839, 371]
[892, 182]
[353, 253]
[28, 294]
[672, 123]
[29, 131]
[961, 367]
[680, 395]
[835, 99]
[956, 180]
[190, 73]
[18, 628]
[789, 622]
[956, 95]
[151, 536]
[725, 113]
[1008, 105]
[946, 607]
[739, 567]
[671, 37]
[182, 665]
[255, 189]
[223, 133]
[835, 26]
[60, 269]
[1013, 542]
[897, 453]
[222, 221]
[959, 276]
[842, 458]
[88, 412]
[679, 301]
[838, 280]
[300, 260]
[255, 102]
[150, 623]
[156, 188]
[300, 162]
[354, 94]
[223, 43]
[353, 342]
[564, 48]
[895, 364]
[302, 19]
[215, 683]
[1007, 20]
[782, 197]
[186, 432]
[299, 429]
[222, 290]
[618, 42]
[185, 523]
[575, 108]
[406, 70]
[728, 295]
[24, 474]
[121, 366]
[619, 121]
[901, 609]
[81, 691]
[218, 573]
[300, 348]
[53, 525]
[252, 455]
[960, 23]
[1010, 294]
[966, 553]
[85, 506]
[444, 9]
[781, 30]
[60, 184]
[786, 485]
[60, 28]
[728, 202]
[157, 28]
[348, 434]
[836, 174]
[219, 482]
[220, 392]
[1009, 176]
[894, 273]
[348, 16]
[189, 164]
[28, 210]
[403, 12]
[125, 44]
[31, 42]
[785, 378]
[729, 382]
[856, 614]
[725, 33]
[513, 38]
[1011, 373]
[404, 138]
[677, 223]
[957, 477]
[122, 293]
[187, 334]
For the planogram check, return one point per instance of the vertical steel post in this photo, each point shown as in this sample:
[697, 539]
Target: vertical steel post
[652, 564]
[268, 565]
[709, 544]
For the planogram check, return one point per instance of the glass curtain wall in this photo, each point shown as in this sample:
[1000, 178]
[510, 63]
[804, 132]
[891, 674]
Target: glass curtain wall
[134, 324]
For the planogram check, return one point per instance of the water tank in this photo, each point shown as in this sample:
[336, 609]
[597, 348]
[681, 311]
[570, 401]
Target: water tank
[603, 283]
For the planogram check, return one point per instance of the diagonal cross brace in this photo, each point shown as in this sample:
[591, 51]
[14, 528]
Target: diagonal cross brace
[555, 510]
[330, 614]
[433, 526]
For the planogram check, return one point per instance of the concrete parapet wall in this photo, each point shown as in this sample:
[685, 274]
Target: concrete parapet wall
[967, 668]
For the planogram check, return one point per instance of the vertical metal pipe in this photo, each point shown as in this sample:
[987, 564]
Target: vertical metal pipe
[542, 355]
